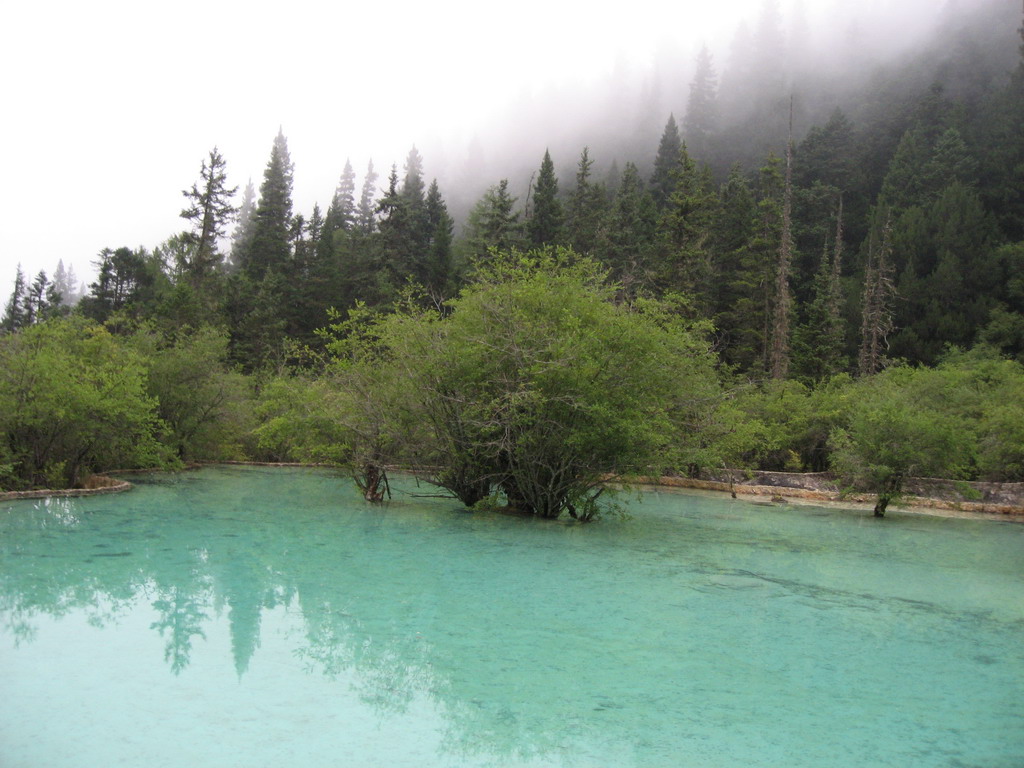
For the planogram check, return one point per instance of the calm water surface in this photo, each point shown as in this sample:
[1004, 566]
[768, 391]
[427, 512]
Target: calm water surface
[267, 617]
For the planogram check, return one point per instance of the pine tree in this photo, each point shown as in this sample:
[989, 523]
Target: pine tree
[439, 276]
[760, 264]
[38, 299]
[878, 298]
[341, 213]
[702, 109]
[64, 283]
[366, 218]
[244, 223]
[544, 226]
[663, 179]
[493, 224]
[950, 162]
[415, 229]
[820, 340]
[739, 304]
[588, 207]
[632, 234]
[577, 224]
[827, 155]
[412, 185]
[686, 259]
[392, 212]
[270, 248]
[949, 275]
[209, 209]
[126, 280]
[14, 311]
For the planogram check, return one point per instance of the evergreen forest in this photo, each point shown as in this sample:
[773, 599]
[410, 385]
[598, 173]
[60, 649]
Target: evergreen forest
[799, 274]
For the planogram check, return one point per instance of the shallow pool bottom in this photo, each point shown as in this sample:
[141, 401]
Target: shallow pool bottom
[253, 616]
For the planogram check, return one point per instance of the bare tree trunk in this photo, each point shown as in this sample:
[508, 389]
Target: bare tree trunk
[373, 482]
[778, 359]
[879, 292]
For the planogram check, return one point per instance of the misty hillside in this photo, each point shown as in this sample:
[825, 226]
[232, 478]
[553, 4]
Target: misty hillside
[824, 226]
[740, 112]
[805, 180]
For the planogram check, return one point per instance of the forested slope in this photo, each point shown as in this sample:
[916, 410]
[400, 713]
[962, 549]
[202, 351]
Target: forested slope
[829, 230]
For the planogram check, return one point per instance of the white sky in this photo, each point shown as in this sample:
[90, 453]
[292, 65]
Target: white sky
[110, 106]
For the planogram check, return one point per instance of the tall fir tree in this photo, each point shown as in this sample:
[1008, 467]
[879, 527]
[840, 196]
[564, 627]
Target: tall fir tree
[209, 210]
[701, 121]
[493, 223]
[686, 260]
[879, 296]
[819, 342]
[439, 277]
[632, 235]
[341, 213]
[740, 300]
[544, 226]
[270, 248]
[588, 208]
[761, 263]
[393, 215]
[665, 162]
[415, 232]
[65, 283]
[244, 222]
[577, 224]
[366, 213]
[14, 311]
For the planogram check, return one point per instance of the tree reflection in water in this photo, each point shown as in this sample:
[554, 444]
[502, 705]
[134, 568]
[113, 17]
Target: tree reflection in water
[65, 558]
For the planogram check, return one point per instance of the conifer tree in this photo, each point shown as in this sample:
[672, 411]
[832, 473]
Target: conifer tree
[739, 304]
[879, 294]
[270, 248]
[341, 213]
[702, 108]
[209, 210]
[244, 222]
[544, 226]
[126, 280]
[665, 162]
[14, 311]
[414, 238]
[439, 277]
[412, 184]
[686, 259]
[759, 266]
[393, 214]
[827, 155]
[632, 234]
[64, 283]
[493, 223]
[820, 340]
[366, 219]
[577, 218]
[588, 207]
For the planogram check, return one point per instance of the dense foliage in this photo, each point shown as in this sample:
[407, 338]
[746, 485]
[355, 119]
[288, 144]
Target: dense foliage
[805, 308]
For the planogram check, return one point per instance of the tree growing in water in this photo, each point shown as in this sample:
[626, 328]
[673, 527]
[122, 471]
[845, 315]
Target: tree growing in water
[893, 433]
[540, 387]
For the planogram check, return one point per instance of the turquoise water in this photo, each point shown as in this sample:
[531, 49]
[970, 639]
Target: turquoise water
[267, 617]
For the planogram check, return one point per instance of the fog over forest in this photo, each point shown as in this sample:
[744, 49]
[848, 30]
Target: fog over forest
[806, 229]
[107, 122]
